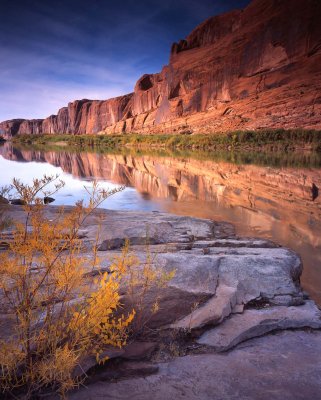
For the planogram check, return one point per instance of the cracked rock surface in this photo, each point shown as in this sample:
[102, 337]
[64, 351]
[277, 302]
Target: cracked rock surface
[253, 323]
[228, 294]
[285, 366]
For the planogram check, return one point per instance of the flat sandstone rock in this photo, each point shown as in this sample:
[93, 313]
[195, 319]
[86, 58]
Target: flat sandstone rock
[285, 366]
[253, 323]
[226, 291]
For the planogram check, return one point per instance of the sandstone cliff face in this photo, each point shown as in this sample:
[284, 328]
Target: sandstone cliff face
[247, 69]
[10, 128]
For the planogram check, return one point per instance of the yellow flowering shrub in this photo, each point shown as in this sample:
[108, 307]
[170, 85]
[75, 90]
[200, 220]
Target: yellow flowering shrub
[57, 317]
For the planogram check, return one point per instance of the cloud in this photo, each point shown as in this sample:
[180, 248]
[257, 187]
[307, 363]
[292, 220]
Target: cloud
[39, 99]
[56, 52]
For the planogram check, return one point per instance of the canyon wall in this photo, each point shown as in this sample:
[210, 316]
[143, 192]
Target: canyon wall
[247, 69]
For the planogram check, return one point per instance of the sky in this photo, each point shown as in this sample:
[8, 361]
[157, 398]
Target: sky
[74, 189]
[56, 51]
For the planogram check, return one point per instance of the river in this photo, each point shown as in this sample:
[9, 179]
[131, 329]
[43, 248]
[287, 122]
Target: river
[277, 197]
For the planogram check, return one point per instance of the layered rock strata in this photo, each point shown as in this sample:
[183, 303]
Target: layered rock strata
[246, 69]
[226, 290]
[217, 274]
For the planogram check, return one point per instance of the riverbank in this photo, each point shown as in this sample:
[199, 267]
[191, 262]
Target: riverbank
[265, 140]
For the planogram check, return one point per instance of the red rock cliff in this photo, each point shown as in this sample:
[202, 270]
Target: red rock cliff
[247, 69]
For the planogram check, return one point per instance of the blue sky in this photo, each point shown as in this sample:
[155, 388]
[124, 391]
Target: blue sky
[53, 52]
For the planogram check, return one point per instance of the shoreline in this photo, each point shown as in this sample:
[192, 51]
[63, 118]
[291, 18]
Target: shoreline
[265, 140]
[259, 196]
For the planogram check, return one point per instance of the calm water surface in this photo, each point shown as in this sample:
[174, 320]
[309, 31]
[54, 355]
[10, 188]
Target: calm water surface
[275, 197]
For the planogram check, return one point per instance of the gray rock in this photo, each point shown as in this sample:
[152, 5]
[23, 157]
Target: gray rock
[18, 202]
[133, 351]
[195, 274]
[127, 369]
[253, 323]
[139, 350]
[153, 228]
[285, 366]
[207, 290]
[87, 363]
[3, 200]
[235, 242]
[234, 278]
[212, 312]
[48, 200]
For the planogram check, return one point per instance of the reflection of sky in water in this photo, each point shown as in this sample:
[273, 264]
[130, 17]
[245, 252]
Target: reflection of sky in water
[303, 238]
[128, 199]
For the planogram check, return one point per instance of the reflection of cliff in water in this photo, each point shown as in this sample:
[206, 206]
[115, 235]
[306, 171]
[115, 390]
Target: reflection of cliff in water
[279, 203]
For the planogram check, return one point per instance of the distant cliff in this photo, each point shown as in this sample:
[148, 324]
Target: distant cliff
[247, 69]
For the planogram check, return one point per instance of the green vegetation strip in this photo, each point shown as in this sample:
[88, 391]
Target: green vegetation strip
[270, 139]
[285, 151]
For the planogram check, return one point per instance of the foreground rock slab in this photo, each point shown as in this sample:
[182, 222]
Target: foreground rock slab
[253, 323]
[285, 366]
[217, 274]
[226, 291]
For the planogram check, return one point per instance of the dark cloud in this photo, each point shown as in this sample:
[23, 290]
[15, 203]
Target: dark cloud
[55, 51]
